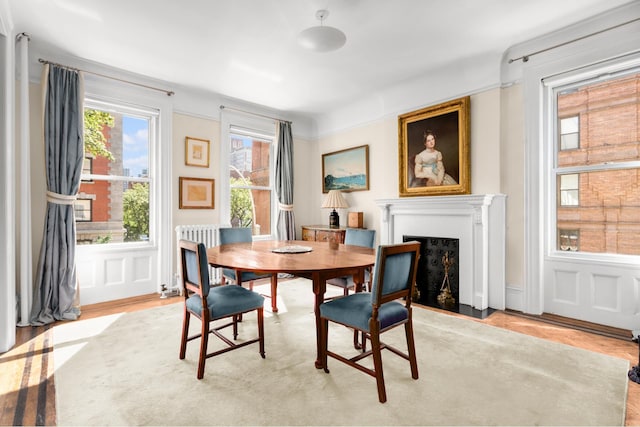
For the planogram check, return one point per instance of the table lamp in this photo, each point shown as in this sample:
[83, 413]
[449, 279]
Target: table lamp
[334, 200]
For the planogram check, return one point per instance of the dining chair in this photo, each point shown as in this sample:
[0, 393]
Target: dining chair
[387, 306]
[209, 304]
[244, 235]
[356, 237]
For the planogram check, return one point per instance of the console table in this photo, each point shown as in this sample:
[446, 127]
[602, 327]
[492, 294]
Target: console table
[323, 233]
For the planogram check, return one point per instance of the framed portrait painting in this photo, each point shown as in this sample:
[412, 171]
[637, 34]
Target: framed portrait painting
[196, 193]
[433, 146]
[196, 152]
[346, 170]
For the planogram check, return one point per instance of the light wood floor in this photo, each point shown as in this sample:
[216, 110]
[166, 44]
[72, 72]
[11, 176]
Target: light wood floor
[27, 387]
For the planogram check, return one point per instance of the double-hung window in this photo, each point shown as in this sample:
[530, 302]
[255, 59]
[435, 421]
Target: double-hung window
[597, 164]
[251, 180]
[114, 200]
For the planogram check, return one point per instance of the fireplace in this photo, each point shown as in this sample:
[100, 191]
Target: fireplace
[431, 279]
[476, 221]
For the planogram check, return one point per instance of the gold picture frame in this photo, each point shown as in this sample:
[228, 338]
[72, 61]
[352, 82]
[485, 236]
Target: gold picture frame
[196, 152]
[196, 193]
[346, 170]
[443, 168]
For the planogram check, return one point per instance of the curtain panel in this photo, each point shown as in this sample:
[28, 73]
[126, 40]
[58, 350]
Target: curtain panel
[55, 284]
[284, 183]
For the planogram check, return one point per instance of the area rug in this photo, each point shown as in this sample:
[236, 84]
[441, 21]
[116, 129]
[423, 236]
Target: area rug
[124, 369]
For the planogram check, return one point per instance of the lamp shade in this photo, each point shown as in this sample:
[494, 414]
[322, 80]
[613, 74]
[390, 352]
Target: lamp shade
[322, 38]
[335, 200]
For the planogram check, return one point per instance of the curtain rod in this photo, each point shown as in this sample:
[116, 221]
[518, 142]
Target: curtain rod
[222, 107]
[525, 58]
[168, 92]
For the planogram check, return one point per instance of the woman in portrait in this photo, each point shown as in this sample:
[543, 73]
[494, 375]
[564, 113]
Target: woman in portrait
[428, 163]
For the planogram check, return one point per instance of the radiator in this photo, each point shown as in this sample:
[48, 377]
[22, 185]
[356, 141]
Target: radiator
[204, 233]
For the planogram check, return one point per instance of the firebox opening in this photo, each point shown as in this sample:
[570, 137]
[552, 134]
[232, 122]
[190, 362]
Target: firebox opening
[438, 277]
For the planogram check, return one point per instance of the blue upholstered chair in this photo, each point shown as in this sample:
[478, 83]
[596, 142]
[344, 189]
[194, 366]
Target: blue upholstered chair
[387, 305]
[357, 237]
[244, 235]
[213, 303]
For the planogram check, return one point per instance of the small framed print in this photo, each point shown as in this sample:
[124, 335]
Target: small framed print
[196, 193]
[196, 152]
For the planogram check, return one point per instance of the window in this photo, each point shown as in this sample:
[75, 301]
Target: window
[569, 190]
[114, 196]
[87, 166]
[570, 133]
[250, 180]
[82, 209]
[597, 164]
[568, 240]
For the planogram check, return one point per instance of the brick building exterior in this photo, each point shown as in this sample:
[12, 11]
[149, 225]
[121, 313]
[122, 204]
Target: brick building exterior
[606, 215]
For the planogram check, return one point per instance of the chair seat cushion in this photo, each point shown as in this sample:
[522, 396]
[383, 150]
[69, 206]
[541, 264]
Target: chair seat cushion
[347, 281]
[247, 276]
[355, 310]
[225, 301]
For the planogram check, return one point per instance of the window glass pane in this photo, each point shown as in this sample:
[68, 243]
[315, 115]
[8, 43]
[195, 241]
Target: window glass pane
[250, 160]
[569, 141]
[118, 147]
[251, 208]
[569, 125]
[569, 182]
[82, 209]
[607, 214]
[609, 112]
[249, 179]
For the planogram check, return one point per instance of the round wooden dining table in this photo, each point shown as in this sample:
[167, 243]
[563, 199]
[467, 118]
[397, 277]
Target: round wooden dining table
[317, 261]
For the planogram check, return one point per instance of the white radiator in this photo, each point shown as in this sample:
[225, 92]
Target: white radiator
[204, 233]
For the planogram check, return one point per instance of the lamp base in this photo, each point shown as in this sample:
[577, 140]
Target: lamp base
[334, 219]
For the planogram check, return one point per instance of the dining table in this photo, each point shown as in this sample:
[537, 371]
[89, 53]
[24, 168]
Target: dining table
[317, 261]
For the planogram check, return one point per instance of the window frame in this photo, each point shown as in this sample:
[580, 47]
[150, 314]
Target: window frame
[255, 126]
[103, 103]
[551, 87]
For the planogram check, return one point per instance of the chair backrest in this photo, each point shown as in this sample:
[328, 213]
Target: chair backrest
[394, 273]
[360, 237]
[235, 235]
[194, 268]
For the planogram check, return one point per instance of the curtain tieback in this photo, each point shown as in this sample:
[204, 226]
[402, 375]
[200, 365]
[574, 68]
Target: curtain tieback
[284, 207]
[60, 199]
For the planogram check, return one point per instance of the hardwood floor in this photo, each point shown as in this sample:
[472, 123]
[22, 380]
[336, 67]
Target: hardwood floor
[27, 387]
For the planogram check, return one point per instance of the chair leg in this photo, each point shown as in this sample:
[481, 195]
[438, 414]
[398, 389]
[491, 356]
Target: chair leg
[377, 363]
[235, 326]
[260, 315]
[204, 339]
[274, 293]
[324, 343]
[408, 329]
[185, 332]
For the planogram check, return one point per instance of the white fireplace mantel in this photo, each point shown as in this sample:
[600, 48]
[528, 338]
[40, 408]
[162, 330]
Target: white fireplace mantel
[477, 221]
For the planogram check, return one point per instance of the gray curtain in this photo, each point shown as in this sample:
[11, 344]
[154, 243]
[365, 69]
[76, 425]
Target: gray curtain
[55, 284]
[284, 183]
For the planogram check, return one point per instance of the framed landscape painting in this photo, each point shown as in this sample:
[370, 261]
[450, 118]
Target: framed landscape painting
[433, 145]
[346, 170]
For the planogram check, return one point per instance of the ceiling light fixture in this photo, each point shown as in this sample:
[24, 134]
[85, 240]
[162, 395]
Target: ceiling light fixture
[322, 38]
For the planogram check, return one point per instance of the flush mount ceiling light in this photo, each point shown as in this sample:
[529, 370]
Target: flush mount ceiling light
[322, 38]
